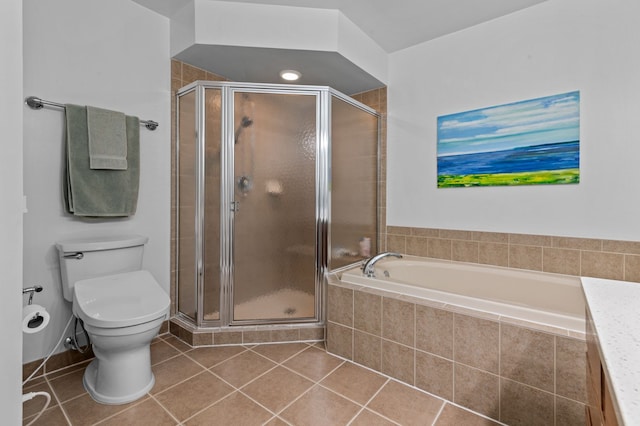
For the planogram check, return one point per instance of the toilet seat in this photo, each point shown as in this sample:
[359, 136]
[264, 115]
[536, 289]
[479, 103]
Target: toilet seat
[119, 300]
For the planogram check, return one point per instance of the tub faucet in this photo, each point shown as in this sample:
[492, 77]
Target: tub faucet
[368, 265]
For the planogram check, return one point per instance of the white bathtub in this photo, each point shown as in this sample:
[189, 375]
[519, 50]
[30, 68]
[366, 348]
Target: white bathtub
[537, 297]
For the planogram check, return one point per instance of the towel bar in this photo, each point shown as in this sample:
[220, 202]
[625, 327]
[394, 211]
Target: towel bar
[35, 102]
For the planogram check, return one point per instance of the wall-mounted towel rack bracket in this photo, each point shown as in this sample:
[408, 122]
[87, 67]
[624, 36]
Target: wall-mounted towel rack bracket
[35, 102]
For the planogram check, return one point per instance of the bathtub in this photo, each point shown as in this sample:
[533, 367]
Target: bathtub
[535, 297]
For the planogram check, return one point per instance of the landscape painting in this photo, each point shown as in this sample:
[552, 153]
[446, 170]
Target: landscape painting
[530, 142]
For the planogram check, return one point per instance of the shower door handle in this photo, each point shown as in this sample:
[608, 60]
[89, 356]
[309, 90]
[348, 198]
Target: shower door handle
[235, 206]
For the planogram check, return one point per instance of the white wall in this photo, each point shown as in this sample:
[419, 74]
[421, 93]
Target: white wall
[281, 27]
[112, 54]
[11, 210]
[555, 47]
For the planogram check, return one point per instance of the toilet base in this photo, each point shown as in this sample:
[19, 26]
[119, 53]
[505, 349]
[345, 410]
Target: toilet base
[90, 378]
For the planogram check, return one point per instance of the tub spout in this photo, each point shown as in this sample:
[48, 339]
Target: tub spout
[368, 266]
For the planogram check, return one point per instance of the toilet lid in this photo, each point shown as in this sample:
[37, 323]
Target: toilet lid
[119, 300]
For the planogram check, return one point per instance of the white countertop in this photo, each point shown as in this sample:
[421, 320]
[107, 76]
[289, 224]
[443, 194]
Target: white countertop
[615, 309]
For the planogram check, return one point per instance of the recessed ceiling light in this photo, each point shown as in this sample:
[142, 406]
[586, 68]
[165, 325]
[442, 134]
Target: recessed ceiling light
[290, 75]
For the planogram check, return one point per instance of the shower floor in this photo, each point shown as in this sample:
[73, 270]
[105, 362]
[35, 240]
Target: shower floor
[284, 303]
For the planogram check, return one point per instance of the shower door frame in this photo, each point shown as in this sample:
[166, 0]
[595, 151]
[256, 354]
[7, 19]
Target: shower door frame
[227, 91]
[227, 181]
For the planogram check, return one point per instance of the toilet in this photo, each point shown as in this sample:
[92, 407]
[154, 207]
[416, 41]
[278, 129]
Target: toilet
[122, 308]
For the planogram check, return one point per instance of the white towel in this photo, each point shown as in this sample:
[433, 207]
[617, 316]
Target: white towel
[107, 133]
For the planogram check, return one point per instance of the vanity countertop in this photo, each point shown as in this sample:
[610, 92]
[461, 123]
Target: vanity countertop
[615, 309]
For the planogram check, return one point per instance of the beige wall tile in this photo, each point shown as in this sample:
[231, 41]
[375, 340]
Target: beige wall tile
[491, 237]
[191, 73]
[434, 375]
[569, 413]
[477, 390]
[340, 305]
[434, 331]
[227, 338]
[398, 321]
[571, 364]
[340, 340]
[256, 336]
[202, 339]
[417, 246]
[577, 243]
[312, 333]
[285, 335]
[398, 230]
[454, 234]
[628, 247]
[367, 350]
[425, 232]
[530, 240]
[602, 265]
[525, 257]
[439, 248]
[465, 251]
[561, 261]
[524, 405]
[398, 361]
[632, 268]
[493, 254]
[527, 356]
[476, 342]
[368, 313]
[396, 243]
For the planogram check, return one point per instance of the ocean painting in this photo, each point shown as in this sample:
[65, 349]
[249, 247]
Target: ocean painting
[531, 142]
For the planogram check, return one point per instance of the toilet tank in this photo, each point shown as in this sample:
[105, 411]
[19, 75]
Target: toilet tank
[84, 258]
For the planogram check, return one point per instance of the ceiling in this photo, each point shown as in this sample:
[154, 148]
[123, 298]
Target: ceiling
[393, 24]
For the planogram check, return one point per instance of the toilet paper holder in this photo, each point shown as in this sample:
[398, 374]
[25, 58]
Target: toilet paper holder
[32, 291]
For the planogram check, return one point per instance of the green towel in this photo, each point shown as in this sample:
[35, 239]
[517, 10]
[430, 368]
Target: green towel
[107, 139]
[99, 193]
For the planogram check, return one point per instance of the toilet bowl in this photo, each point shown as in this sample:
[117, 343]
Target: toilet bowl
[121, 312]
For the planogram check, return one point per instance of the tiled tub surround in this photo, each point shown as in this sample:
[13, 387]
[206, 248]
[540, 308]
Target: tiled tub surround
[512, 371]
[586, 257]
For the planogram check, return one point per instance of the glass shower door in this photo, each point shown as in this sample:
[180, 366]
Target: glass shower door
[274, 207]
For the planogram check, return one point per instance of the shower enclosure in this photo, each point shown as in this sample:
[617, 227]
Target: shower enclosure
[276, 184]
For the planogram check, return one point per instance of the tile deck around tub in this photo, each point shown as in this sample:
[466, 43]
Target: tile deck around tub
[271, 384]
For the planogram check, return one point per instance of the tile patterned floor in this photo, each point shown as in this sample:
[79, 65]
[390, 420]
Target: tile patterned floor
[276, 384]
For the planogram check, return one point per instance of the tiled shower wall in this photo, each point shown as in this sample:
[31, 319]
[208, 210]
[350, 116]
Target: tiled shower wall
[181, 75]
[377, 99]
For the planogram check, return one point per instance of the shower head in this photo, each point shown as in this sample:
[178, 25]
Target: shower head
[244, 123]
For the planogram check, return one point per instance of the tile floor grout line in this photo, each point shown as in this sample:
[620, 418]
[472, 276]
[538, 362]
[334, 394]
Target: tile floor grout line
[165, 409]
[283, 361]
[64, 412]
[366, 406]
[139, 401]
[218, 363]
[315, 384]
[210, 405]
[435, 419]
[78, 365]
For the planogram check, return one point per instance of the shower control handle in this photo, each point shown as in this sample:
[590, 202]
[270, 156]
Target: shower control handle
[235, 206]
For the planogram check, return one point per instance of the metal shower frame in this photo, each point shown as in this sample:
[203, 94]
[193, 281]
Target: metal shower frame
[227, 222]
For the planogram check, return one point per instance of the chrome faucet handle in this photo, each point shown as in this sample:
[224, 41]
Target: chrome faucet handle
[368, 269]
